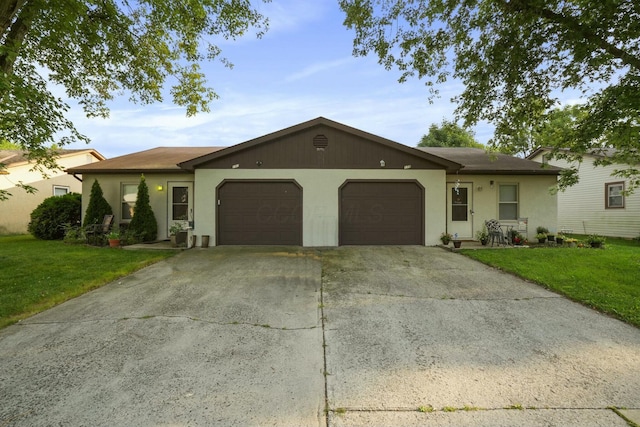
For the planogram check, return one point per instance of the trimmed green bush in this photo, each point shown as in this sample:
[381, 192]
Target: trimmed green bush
[98, 207]
[51, 218]
[143, 226]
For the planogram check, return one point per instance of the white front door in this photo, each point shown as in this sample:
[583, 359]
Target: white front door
[460, 209]
[180, 207]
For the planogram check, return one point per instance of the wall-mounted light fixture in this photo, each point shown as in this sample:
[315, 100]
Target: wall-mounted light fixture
[491, 183]
[236, 166]
[382, 163]
[259, 163]
[159, 187]
[407, 166]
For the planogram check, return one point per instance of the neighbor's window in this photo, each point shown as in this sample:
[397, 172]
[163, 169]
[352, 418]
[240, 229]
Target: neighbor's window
[508, 203]
[129, 196]
[59, 190]
[614, 198]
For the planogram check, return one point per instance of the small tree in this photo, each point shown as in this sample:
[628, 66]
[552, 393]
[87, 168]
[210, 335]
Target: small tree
[48, 220]
[143, 225]
[98, 207]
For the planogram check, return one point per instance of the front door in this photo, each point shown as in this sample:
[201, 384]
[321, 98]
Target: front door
[460, 209]
[180, 208]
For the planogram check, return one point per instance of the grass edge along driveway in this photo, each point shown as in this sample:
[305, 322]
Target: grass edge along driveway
[607, 280]
[36, 275]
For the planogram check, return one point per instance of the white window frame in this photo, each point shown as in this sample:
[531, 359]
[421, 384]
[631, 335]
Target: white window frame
[607, 195]
[510, 202]
[66, 189]
[130, 203]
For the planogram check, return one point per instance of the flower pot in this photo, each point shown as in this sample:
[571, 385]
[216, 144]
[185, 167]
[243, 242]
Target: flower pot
[205, 241]
[551, 238]
[484, 242]
[542, 240]
[457, 243]
[596, 244]
[559, 240]
[114, 243]
[572, 244]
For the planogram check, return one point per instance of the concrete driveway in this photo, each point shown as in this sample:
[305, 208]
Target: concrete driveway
[274, 336]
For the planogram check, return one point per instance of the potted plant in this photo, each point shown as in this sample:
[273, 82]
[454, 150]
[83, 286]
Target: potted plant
[551, 237]
[445, 238]
[114, 238]
[483, 235]
[177, 234]
[542, 237]
[595, 241]
[542, 230]
[517, 239]
[572, 243]
[560, 238]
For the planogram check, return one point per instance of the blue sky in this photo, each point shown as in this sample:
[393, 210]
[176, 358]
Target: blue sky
[301, 69]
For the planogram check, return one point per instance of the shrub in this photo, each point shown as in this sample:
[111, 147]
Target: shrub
[143, 225]
[50, 219]
[98, 207]
[541, 230]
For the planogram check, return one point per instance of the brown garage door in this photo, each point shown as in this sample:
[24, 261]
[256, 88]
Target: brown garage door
[381, 213]
[259, 213]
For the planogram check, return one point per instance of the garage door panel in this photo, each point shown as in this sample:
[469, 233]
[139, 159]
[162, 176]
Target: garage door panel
[260, 213]
[381, 213]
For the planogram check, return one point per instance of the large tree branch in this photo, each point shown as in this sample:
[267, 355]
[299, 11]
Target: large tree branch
[576, 27]
[14, 30]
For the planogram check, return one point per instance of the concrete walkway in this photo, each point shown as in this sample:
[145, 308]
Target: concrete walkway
[354, 336]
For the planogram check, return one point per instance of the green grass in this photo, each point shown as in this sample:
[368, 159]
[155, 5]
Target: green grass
[36, 275]
[605, 279]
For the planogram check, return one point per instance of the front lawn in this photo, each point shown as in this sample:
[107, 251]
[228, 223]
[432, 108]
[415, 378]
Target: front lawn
[605, 279]
[36, 274]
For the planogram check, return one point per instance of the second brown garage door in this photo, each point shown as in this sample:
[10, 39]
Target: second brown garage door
[259, 213]
[381, 213]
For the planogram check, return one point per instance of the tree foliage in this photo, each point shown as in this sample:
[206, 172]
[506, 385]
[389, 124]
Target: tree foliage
[449, 134]
[97, 207]
[99, 49]
[143, 226]
[48, 220]
[514, 57]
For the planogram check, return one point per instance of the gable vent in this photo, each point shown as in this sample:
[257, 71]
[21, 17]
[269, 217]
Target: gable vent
[320, 142]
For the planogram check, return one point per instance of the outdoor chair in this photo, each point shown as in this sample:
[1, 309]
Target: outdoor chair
[495, 232]
[95, 232]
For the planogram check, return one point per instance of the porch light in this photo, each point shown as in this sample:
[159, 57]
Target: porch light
[382, 163]
[159, 187]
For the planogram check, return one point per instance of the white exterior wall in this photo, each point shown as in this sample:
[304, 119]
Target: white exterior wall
[319, 198]
[581, 207]
[535, 200]
[112, 191]
[16, 211]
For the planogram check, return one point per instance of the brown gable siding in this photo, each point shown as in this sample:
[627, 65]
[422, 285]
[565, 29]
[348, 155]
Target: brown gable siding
[319, 147]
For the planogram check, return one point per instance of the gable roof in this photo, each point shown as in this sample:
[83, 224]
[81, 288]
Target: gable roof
[19, 157]
[358, 139]
[478, 161]
[155, 160]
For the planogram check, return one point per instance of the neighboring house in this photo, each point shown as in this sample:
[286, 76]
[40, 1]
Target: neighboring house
[16, 210]
[321, 183]
[595, 205]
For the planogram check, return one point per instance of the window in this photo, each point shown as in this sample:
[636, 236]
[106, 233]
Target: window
[129, 196]
[60, 190]
[508, 203]
[180, 203]
[614, 196]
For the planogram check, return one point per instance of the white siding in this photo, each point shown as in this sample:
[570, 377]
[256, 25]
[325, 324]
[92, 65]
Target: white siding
[581, 207]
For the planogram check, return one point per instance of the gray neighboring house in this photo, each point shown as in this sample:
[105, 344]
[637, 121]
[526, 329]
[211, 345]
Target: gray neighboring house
[596, 204]
[322, 183]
